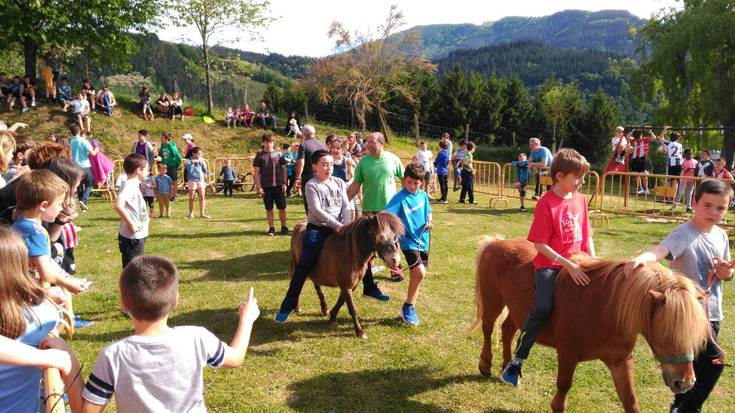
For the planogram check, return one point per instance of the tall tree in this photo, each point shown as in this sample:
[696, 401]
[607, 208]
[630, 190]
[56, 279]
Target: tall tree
[212, 18]
[559, 103]
[369, 71]
[518, 109]
[98, 29]
[691, 52]
[597, 122]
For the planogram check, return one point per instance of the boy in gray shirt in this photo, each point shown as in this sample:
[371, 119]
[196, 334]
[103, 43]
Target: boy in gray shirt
[159, 369]
[329, 212]
[131, 207]
[700, 250]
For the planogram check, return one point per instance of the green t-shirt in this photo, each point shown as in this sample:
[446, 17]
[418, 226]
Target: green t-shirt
[378, 179]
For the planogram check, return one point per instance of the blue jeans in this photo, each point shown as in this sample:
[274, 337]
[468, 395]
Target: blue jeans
[108, 107]
[268, 120]
[310, 249]
[85, 187]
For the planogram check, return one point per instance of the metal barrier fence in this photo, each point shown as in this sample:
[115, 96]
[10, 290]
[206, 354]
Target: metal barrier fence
[664, 196]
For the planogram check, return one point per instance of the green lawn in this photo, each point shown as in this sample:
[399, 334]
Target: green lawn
[305, 365]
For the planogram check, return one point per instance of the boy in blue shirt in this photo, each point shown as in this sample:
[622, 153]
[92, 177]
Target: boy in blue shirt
[440, 163]
[521, 177]
[411, 205]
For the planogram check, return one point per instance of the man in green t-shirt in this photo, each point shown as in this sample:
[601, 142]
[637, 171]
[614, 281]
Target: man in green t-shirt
[170, 156]
[376, 173]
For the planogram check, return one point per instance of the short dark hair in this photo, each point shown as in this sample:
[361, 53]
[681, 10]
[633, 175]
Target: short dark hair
[714, 187]
[318, 155]
[705, 151]
[470, 145]
[568, 161]
[285, 146]
[148, 287]
[134, 161]
[196, 149]
[443, 145]
[414, 171]
[75, 130]
[22, 145]
[143, 132]
[38, 186]
[636, 134]
[268, 136]
[64, 78]
[675, 137]
[462, 142]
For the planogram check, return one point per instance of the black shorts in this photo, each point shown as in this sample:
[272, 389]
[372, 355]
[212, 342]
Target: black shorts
[274, 194]
[415, 257]
[172, 172]
[639, 165]
[674, 170]
[149, 200]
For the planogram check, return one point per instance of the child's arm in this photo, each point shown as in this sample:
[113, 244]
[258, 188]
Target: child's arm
[15, 353]
[256, 178]
[48, 274]
[73, 381]
[120, 209]
[284, 175]
[429, 222]
[653, 254]
[575, 271]
[235, 352]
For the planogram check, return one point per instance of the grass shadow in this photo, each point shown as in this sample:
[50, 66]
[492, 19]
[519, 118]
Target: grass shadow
[388, 389]
[264, 266]
[230, 234]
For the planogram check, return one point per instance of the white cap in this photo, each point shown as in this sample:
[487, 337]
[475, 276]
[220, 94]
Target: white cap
[187, 137]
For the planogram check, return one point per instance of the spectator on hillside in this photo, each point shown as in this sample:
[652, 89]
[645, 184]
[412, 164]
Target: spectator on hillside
[29, 90]
[265, 117]
[90, 94]
[163, 104]
[81, 117]
[106, 100]
[246, 116]
[144, 147]
[144, 98]
[51, 71]
[177, 106]
[15, 94]
[4, 89]
[190, 144]
[293, 127]
[81, 149]
[230, 118]
[63, 93]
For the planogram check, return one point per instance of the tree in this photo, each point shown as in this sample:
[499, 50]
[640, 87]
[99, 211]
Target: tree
[691, 52]
[597, 122]
[559, 103]
[369, 72]
[518, 109]
[98, 29]
[212, 18]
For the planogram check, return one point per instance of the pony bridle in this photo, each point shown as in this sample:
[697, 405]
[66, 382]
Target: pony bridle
[681, 358]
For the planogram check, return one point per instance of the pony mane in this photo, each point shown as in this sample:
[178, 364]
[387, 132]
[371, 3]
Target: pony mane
[683, 324]
[363, 235]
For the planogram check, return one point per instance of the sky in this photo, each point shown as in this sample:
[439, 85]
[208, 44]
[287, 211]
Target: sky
[301, 26]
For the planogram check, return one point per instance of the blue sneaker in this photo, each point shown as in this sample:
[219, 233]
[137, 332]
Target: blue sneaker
[408, 312]
[512, 374]
[376, 294]
[282, 317]
[78, 323]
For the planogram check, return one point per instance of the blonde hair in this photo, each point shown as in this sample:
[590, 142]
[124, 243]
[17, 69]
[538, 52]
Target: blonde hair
[7, 147]
[19, 291]
[38, 186]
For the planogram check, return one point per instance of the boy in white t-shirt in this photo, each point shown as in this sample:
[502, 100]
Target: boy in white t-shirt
[619, 144]
[81, 109]
[131, 207]
[159, 369]
[675, 153]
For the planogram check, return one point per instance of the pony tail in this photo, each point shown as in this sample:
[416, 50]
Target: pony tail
[479, 309]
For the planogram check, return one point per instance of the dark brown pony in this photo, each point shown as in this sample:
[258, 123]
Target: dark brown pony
[344, 258]
[599, 321]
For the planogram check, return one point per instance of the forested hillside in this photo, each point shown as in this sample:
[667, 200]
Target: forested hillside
[570, 29]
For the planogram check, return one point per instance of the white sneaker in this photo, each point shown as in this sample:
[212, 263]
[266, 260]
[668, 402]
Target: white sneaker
[83, 206]
[641, 191]
[33, 103]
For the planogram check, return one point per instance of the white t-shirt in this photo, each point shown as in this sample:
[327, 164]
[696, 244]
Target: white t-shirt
[623, 142]
[135, 206]
[674, 150]
[80, 106]
[156, 374]
[424, 158]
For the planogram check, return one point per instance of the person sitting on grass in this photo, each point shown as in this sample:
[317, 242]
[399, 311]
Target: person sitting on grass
[329, 211]
[106, 100]
[230, 118]
[176, 106]
[269, 172]
[700, 250]
[63, 93]
[411, 205]
[89, 93]
[160, 368]
[559, 230]
[265, 117]
[196, 172]
[81, 112]
[163, 104]
[30, 90]
[15, 89]
[144, 98]
[521, 180]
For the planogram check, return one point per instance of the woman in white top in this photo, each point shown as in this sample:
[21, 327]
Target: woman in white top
[176, 106]
[424, 158]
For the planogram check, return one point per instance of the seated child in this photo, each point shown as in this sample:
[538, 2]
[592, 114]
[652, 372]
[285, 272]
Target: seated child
[89, 93]
[411, 205]
[106, 100]
[164, 189]
[135, 368]
[63, 93]
[521, 177]
[144, 98]
[81, 112]
[230, 118]
[559, 230]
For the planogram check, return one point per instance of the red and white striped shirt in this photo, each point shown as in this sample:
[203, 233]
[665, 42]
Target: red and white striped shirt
[640, 148]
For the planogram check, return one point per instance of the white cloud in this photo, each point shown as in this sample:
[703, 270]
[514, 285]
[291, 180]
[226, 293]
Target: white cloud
[301, 27]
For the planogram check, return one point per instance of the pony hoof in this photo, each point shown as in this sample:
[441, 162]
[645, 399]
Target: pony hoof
[484, 373]
[332, 323]
[362, 336]
[325, 312]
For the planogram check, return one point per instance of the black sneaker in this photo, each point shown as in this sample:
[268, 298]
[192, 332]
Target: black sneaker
[271, 231]
[376, 294]
[284, 231]
[523, 208]
[461, 201]
[396, 277]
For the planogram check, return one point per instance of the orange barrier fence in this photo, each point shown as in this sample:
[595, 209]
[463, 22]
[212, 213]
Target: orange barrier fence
[590, 188]
[662, 197]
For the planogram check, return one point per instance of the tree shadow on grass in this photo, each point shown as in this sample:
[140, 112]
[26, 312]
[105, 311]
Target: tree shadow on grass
[490, 211]
[388, 389]
[264, 266]
[199, 237]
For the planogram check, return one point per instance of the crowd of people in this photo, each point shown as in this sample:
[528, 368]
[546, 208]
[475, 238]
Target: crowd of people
[339, 179]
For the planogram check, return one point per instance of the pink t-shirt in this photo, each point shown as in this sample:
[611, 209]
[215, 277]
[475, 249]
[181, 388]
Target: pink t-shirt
[689, 167]
[562, 224]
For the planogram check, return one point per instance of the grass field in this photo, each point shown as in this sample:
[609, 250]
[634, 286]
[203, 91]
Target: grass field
[305, 365]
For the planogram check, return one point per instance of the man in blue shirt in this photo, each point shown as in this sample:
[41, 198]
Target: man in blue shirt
[411, 205]
[81, 149]
[539, 158]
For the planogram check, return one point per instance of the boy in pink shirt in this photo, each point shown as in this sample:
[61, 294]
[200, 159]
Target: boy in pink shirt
[688, 171]
[559, 230]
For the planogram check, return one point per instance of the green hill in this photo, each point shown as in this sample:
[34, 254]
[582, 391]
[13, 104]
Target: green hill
[569, 29]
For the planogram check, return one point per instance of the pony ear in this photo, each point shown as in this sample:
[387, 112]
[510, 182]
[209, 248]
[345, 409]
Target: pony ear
[657, 296]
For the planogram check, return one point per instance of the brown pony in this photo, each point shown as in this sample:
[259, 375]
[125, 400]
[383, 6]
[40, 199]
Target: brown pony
[344, 258]
[599, 321]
